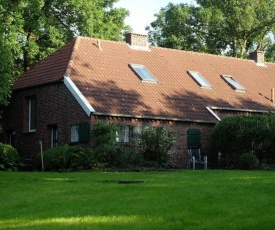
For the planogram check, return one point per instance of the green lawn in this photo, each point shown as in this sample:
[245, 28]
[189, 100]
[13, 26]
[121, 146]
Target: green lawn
[165, 200]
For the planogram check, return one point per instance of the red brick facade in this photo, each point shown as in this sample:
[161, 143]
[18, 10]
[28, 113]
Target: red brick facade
[56, 107]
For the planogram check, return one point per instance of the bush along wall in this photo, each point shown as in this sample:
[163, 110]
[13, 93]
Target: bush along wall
[152, 149]
[9, 158]
[236, 135]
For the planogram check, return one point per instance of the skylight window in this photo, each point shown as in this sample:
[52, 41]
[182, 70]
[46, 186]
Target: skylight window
[143, 73]
[233, 83]
[200, 80]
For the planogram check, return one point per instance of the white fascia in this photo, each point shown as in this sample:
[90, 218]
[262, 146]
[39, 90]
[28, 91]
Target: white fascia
[213, 113]
[78, 96]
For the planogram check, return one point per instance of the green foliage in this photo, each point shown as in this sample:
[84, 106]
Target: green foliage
[238, 134]
[67, 158]
[152, 150]
[248, 161]
[155, 144]
[221, 27]
[104, 142]
[30, 30]
[9, 158]
[270, 53]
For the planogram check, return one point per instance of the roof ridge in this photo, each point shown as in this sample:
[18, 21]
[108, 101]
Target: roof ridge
[101, 39]
[201, 53]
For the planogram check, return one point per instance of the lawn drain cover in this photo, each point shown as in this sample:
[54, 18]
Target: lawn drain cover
[123, 181]
[130, 181]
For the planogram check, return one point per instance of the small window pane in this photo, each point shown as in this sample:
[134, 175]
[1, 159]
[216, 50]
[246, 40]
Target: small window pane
[123, 134]
[137, 132]
[32, 114]
[74, 133]
[233, 83]
[54, 136]
[143, 73]
[200, 79]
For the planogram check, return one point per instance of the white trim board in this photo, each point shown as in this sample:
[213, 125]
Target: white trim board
[78, 96]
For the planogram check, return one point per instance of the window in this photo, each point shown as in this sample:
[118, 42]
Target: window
[32, 114]
[123, 134]
[143, 73]
[200, 80]
[233, 83]
[137, 132]
[53, 136]
[80, 132]
[74, 133]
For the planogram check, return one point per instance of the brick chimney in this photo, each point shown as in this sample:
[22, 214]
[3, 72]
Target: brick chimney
[136, 39]
[258, 57]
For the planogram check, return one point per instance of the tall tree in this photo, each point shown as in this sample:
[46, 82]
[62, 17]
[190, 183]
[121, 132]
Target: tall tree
[175, 27]
[30, 30]
[226, 26]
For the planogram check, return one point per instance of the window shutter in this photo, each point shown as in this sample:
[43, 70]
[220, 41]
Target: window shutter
[194, 138]
[83, 131]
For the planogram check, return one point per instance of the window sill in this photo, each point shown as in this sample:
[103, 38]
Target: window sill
[29, 132]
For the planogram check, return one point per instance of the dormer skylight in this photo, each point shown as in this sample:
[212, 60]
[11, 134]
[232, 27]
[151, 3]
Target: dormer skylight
[233, 83]
[203, 83]
[143, 73]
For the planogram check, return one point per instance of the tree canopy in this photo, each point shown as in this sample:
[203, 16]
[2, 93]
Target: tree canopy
[30, 30]
[229, 27]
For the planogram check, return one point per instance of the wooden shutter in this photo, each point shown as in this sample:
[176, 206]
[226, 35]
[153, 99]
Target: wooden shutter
[83, 131]
[194, 138]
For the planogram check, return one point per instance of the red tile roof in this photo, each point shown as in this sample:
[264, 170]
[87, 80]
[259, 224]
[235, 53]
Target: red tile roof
[102, 74]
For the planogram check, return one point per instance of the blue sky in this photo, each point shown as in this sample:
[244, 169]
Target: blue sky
[142, 11]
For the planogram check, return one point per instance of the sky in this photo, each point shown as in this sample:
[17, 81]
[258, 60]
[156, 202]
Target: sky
[142, 11]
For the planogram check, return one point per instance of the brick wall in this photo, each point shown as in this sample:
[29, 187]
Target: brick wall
[55, 107]
[180, 147]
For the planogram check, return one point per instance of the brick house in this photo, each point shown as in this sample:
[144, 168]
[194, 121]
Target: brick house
[132, 85]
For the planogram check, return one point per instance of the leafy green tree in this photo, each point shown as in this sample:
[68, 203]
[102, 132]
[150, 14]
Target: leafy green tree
[226, 26]
[270, 53]
[177, 27]
[30, 30]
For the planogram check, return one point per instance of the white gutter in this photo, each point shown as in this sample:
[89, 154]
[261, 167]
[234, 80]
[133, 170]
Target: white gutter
[78, 96]
[212, 112]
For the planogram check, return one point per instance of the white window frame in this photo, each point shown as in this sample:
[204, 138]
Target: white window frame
[234, 84]
[143, 73]
[53, 136]
[74, 133]
[123, 134]
[32, 114]
[203, 83]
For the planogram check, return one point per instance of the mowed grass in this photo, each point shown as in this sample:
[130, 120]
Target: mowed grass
[165, 200]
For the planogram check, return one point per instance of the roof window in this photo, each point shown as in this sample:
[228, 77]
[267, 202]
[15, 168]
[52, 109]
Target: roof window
[233, 83]
[143, 73]
[200, 80]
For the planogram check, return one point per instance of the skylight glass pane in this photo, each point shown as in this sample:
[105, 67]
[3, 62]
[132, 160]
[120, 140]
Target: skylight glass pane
[233, 83]
[200, 79]
[143, 73]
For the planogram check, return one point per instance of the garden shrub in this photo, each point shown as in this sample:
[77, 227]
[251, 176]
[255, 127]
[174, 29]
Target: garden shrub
[9, 158]
[155, 145]
[104, 142]
[235, 135]
[151, 150]
[248, 161]
[67, 158]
